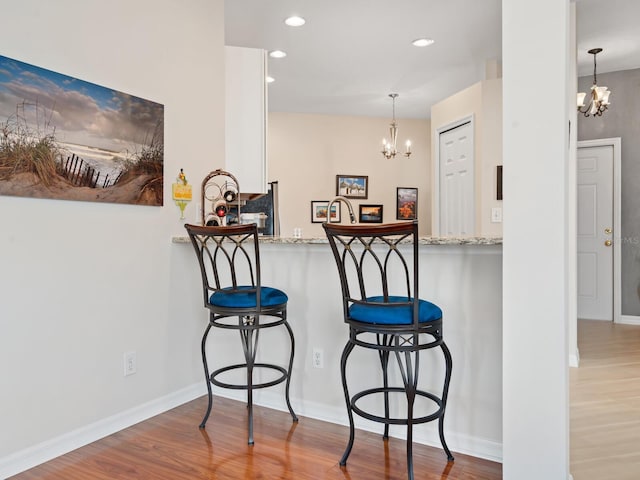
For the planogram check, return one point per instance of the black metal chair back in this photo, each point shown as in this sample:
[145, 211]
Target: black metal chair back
[229, 257]
[378, 270]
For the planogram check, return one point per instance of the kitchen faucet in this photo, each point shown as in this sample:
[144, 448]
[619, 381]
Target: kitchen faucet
[340, 198]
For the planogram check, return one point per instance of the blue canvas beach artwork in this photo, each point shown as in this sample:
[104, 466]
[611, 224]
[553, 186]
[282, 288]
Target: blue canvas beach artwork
[66, 138]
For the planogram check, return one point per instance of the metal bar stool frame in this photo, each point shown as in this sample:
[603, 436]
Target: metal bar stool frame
[378, 248]
[229, 260]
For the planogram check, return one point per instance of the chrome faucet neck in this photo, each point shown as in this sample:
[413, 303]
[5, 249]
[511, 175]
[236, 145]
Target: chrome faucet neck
[340, 198]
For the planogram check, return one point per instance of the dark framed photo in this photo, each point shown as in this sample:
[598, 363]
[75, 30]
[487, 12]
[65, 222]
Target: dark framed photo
[406, 203]
[319, 211]
[370, 214]
[352, 186]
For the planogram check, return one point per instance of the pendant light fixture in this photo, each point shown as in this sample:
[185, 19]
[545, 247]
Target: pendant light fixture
[599, 98]
[389, 148]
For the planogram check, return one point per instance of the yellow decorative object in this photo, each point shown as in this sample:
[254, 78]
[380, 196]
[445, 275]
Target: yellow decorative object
[181, 192]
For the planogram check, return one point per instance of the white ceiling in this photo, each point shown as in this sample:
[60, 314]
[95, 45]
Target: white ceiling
[352, 53]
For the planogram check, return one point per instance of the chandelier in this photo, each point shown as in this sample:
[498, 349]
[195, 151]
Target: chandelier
[389, 148]
[599, 100]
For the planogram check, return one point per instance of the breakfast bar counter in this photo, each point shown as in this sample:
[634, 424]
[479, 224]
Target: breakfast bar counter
[461, 275]
[267, 240]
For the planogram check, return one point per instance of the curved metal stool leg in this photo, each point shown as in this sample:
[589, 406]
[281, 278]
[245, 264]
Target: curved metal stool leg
[384, 361]
[206, 375]
[410, 372]
[249, 345]
[286, 391]
[445, 394]
[343, 369]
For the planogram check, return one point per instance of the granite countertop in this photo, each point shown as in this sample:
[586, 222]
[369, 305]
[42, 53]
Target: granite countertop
[323, 240]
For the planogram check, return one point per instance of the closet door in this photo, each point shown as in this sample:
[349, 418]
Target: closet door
[456, 181]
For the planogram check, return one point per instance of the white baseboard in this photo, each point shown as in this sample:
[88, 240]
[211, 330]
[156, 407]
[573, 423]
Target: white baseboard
[460, 443]
[574, 359]
[629, 320]
[45, 451]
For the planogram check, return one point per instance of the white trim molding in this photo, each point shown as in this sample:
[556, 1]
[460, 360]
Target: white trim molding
[574, 359]
[629, 320]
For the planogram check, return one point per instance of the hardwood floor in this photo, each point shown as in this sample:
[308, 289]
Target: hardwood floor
[171, 446]
[605, 402]
[605, 434]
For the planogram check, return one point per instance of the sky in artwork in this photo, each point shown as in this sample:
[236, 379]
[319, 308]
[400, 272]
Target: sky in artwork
[81, 112]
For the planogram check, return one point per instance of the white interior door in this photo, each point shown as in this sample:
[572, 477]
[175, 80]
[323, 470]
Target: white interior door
[595, 232]
[456, 181]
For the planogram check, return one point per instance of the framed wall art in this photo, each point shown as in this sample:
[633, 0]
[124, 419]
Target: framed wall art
[352, 186]
[319, 211]
[68, 139]
[406, 203]
[370, 214]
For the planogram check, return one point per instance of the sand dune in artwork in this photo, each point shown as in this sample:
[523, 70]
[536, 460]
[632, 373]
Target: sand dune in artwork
[138, 190]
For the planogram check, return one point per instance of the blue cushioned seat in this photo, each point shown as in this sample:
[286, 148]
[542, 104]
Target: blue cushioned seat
[245, 297]
[393, 315]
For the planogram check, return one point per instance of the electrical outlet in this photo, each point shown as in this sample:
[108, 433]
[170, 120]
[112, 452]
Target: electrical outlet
[318, 358]
[130, 364]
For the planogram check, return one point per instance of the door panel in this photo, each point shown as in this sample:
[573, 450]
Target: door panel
[595, 232]
[457, 202]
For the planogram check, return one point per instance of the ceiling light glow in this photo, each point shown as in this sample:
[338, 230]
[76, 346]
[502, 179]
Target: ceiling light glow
[423, 42]
[277, 54]
[270, 79]
[295, 21]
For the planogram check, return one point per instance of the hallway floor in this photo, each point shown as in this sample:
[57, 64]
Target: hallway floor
[605, 402]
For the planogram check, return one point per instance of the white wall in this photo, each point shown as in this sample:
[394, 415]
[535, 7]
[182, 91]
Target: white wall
[536, 222]
[307, 151]
[82, 283]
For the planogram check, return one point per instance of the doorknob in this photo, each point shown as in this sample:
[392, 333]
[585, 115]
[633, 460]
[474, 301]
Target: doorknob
[607, 243]
[607, 231]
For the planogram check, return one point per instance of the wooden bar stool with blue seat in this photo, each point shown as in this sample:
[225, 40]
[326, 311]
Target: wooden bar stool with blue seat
[378, 270]
[229, 259]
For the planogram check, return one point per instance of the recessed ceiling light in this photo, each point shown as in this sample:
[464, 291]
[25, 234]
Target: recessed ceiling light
[270, 79]
[277, 54]
[423, 42]
[295, 21]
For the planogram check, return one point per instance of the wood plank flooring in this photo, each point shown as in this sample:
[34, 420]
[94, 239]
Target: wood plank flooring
[171, 446]
[605, 434]
[605, 402]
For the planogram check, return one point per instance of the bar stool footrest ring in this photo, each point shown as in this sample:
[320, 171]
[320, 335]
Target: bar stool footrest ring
[234, 386]
[396, 421]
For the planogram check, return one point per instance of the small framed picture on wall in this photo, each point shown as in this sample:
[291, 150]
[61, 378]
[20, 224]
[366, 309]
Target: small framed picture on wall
[370, 214]
[319, 211]
[352, 186]
[406, 203]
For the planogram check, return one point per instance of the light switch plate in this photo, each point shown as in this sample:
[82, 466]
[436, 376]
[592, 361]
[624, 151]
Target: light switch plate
[496, 215]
